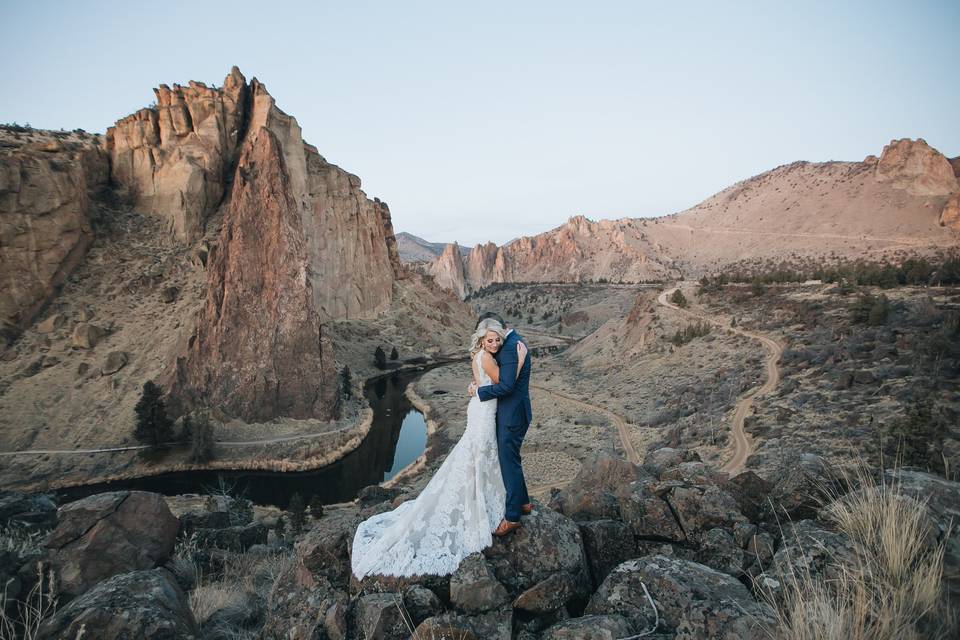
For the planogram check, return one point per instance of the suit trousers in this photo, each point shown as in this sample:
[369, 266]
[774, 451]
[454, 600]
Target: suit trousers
[509, 441]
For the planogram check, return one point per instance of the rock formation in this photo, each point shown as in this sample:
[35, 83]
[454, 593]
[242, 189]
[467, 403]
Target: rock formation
[916, 168]
[300, 245]
[447, 270]
[176, 158]
[950, 215]
[45, 186]
[485, 265]
[259, 350]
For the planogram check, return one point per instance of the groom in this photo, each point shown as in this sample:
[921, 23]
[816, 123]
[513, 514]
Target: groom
[514, 414]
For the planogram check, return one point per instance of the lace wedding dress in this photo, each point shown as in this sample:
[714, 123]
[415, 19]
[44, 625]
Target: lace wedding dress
[453, 516]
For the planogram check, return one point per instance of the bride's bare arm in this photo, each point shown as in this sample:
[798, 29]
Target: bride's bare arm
[490, 367]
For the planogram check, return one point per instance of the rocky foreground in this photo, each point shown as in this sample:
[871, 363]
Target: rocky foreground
[669, 547]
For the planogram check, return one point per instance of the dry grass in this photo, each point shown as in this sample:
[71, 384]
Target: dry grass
[893, 591]
[38, 605]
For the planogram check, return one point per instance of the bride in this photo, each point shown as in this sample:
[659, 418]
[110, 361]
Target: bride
[459, 508]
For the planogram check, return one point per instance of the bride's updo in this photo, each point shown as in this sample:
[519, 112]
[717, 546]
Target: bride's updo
[487, 324]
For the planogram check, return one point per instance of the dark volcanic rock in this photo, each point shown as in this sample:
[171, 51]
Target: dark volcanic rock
[110, 533]
[648, 515]
[546, 544]
[592, 494]
[474, 588]
[607, 543]
[603, 627]
[37, 512]
[144, 604]
[695, 602]
[546, 596]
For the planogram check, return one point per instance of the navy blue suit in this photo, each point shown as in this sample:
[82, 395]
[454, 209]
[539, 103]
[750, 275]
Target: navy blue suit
[514, 414]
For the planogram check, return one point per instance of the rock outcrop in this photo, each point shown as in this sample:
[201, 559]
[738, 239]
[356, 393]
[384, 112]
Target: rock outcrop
[447, 270]
[141, 604]
[259, 350]
[950, 215]
[176, 158]
[46, 182]
[107, 534]
[912, 165]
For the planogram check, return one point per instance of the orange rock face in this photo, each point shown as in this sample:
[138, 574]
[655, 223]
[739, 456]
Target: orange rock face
[447, 270]
[260, 350]
[950, 216]
[917, 168]
[45, 187]
[174, 159]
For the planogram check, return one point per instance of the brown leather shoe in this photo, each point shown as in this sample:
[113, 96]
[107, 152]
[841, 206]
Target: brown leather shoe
[527, 509]
[506, 527]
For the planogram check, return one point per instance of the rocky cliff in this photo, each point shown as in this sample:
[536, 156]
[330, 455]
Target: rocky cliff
[46, 182]
[447, 270]
[175, 158]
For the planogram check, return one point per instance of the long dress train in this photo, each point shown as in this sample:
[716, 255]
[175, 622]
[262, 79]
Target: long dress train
[452, 517]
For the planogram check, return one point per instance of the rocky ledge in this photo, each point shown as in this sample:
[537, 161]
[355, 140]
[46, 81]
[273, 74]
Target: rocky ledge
[668, 549]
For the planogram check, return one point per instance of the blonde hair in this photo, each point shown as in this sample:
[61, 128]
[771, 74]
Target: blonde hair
[485, 325]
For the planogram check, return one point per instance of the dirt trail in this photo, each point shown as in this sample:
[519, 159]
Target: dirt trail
[743, 444]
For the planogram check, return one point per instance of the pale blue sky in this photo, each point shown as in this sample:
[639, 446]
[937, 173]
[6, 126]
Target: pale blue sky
[490, 120]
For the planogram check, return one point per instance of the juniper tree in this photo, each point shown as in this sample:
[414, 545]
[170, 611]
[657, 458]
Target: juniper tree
[316, 507]
[380, 358]
[393, 354]
[153, 425]
[298, 512]
[346, 387]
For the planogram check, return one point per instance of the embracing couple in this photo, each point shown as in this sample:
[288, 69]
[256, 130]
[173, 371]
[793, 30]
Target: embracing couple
[479, 490]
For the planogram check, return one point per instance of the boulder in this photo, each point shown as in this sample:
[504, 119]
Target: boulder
[51, 323]
[86, 335]
[115, 361]
[602, 627]
[547, 543]
[492, 625]
[378, 616]
[592, 494]
[421, 603]
[142, 604]
[751, 493]
[719, 550]
[546, 596]
[694, 601]
[917, 168]
[32, 511]
[699, 509]
[607, 543]
[800, 492]
[474, 588]
[107, 534]
[169, 294]
[664, 458]
[324, 548]
[648, 515]
[808, 548]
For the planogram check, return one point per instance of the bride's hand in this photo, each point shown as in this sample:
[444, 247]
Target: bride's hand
[521, 353]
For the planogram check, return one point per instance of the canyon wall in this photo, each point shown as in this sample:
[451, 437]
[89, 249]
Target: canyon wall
[46, 183]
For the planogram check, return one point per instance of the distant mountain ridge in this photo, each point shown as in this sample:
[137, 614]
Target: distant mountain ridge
[415, 249]
[907, 200]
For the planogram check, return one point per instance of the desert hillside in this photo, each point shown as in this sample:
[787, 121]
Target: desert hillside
[906, 202]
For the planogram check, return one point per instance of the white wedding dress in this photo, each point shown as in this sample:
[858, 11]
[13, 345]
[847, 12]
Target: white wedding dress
[453, 516]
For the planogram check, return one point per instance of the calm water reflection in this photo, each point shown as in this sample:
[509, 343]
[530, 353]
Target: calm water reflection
[398, 436]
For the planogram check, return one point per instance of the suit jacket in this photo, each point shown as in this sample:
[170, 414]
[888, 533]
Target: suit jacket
[513, 391]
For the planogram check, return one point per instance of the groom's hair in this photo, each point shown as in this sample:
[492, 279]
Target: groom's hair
[490, 314]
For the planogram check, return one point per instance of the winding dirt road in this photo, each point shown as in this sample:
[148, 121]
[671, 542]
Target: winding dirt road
[743, 444]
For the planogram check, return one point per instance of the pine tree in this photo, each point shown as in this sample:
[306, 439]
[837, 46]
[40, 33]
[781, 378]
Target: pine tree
[298, 513]
[393, 354]
[200, 433]
[316, 507]
[153, 425]
[380, 358]
[346, 386]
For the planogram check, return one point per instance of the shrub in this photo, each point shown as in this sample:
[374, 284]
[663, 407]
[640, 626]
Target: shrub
[153, 425]
[893, 590]
[678, 298]
[916, 437]
[393, 354]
